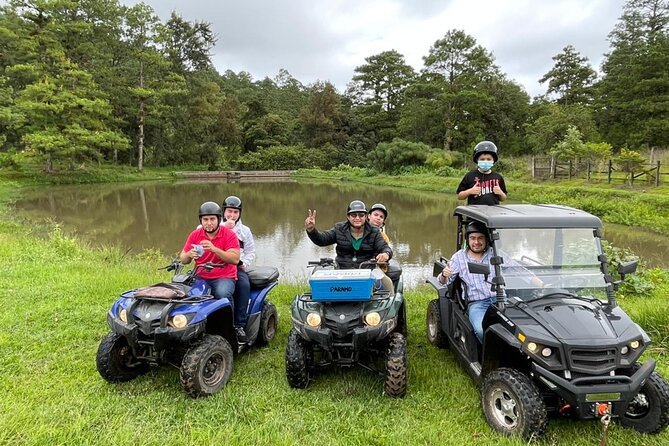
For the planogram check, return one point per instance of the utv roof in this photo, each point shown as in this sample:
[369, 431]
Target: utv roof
[529, 216]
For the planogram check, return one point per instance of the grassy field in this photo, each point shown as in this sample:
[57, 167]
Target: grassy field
[56, 293]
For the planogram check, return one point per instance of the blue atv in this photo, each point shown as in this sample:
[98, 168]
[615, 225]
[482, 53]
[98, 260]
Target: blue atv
[181, 323]
[345, 320]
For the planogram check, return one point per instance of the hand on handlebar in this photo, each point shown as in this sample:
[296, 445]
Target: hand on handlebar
[382, 257]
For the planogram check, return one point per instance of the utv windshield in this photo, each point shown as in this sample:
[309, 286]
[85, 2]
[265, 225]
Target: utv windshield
[564, 258]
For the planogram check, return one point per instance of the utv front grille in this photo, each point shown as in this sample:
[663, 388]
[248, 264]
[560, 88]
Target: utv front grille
[592, 361]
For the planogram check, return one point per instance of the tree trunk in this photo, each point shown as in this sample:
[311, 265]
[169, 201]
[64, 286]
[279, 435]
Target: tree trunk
[140, 145]
[49, 163]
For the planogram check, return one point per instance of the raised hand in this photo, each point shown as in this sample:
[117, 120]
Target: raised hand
[310, 222]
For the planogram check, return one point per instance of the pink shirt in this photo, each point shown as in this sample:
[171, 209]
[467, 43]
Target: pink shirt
[224, 239]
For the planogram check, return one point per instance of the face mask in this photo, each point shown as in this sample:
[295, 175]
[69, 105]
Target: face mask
[485, 165]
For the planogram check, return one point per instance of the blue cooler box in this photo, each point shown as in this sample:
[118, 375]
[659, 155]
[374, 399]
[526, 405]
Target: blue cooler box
[341, 285]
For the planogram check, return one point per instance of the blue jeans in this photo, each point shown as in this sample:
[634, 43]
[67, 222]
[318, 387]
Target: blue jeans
[476, 310]
[222, 288]
[242, 297]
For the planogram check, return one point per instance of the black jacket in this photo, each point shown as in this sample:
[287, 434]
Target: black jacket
[372, 244]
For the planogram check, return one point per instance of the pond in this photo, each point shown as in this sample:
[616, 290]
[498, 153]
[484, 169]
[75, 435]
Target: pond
[159, 215]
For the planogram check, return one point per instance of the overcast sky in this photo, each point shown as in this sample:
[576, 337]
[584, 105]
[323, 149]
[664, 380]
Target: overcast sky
[326, 39]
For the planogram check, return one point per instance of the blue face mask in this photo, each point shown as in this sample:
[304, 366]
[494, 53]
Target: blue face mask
[485, 165]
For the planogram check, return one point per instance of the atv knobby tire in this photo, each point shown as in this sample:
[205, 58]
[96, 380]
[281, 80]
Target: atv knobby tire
[115, 361]
[648, 412]
[513, 405]
[435, 334]
[297, 360]
[268, 323]
[396, 366]
[206, 366]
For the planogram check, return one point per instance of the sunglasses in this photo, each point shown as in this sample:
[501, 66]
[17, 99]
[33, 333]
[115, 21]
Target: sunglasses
[357, 214]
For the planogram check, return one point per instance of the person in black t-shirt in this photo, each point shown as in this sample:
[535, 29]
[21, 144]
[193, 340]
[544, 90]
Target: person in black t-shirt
[483, 186]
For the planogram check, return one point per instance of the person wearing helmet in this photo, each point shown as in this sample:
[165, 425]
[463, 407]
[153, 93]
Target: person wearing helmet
[232, 219]
[482, 185]
[479, 294]
[212, 242]
[356, 239]
[377, 217]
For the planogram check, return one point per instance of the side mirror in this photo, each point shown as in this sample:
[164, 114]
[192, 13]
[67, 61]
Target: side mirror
[439, 266]
[479, 268]
[627, 268]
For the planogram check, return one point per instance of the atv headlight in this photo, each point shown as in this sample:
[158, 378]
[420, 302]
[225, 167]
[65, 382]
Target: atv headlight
[123, 315]
[373, 319]
[179, 321]
[314, 319]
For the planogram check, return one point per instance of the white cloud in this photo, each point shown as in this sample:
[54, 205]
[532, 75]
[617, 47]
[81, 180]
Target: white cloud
[327, 39]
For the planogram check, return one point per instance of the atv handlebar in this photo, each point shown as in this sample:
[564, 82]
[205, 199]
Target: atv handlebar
[323, 261]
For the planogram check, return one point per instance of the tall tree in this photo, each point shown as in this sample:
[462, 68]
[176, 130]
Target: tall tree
[187, 45]
[633, 96]
[322, 120]
[377, 90]
[571, 78]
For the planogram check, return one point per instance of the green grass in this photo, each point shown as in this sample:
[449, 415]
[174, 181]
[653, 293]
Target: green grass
[56, 293]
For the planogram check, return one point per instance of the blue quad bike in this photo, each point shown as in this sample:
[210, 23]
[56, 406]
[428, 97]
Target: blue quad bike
[181, 323]
[346, 320]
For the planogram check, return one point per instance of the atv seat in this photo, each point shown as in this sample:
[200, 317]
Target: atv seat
[457, 290]
[262, 276]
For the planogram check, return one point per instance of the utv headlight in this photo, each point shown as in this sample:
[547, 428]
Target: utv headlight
[546, 352]
[373, 319]
[123, 315]
[179, 321]
[624, 350]
[531, 346]
[635, 344]
[314, 319]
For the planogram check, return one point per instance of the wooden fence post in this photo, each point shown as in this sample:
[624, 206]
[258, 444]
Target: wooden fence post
[534, 167]
[570, 169]
[610, 169]
[657, 174]
[588, 164]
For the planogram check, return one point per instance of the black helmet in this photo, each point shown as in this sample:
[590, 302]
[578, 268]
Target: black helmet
[356, 206]
[380, 207]
[233, 203]
[485, 147]
[210, 208]
[476, 226]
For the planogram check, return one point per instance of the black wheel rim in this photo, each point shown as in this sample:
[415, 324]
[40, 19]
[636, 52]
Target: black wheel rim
[638, 407]
[214, 369]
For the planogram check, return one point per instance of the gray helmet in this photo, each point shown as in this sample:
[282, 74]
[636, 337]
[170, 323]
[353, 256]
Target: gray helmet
[476, 226]
[210, 208]
[380, 207]
[356, 206]
[233, 203]
[485, 147]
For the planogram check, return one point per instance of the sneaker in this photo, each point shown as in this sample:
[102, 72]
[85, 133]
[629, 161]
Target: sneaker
[241, 334]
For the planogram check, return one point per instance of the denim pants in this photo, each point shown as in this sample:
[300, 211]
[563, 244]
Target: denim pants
[242, 296]
[476, 310]
[222, 288]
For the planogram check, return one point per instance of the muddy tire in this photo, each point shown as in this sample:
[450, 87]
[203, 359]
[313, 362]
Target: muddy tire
[269, 320]
[206, 366]
[513, 405]
[115, 361]
[435, 334]
[297, 361]
[396, 366]
[648, 412]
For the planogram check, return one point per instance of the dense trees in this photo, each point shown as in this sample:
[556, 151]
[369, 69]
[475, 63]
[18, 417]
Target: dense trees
[93, 80]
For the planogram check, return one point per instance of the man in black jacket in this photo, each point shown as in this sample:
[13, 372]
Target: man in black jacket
[357, 240]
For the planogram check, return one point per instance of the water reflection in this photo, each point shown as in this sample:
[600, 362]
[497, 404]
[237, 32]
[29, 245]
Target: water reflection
[160, 215]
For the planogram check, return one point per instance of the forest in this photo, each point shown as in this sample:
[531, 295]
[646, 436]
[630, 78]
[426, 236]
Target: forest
[96, 82]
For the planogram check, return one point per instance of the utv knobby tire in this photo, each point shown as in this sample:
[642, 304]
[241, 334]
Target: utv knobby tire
[269, 320]
[435, 334]
[648, 412]
[115, 361]
[206, 366]
[297, 360]
[396, 366]
[513, 405]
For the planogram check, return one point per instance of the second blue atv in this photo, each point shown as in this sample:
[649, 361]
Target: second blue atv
[181, 323]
